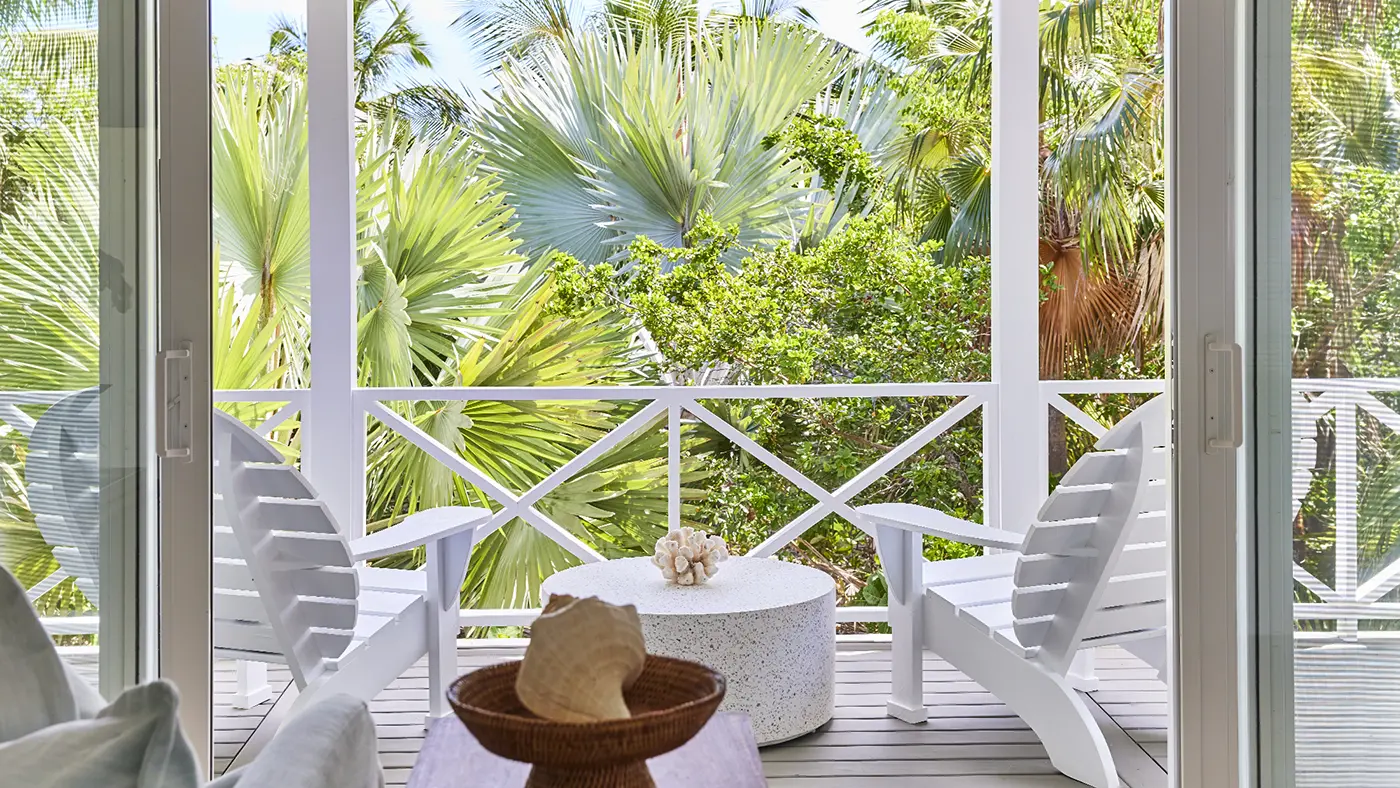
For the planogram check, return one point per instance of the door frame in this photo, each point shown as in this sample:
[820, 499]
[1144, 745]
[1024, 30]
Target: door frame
[126, 304]
[1266, 505]
[184, 75]
[1204, 204]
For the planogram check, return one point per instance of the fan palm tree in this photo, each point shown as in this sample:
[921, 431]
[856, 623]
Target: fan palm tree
[611, 142]
[49, 266]
[389, 47]
[517, 29]
[617, 504]
[384, 51]
[1103, 170]
[262, 202]
[48, 322]
[49, 282]
[444, 299]
[48, 75]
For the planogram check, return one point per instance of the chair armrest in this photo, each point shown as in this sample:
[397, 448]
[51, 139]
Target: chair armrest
[419, 529]
[931, 522]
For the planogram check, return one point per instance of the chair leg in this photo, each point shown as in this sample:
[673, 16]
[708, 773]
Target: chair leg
[1153, 651]
[1047, 702]
[1081, 671]
[901, 555]
[447, 565]
[250, 684]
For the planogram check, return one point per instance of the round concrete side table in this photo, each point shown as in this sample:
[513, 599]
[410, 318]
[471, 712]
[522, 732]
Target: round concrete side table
[769, 626]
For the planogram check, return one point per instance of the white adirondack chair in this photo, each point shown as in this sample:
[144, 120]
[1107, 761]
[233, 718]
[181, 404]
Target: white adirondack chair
[289, 587]
[61, 482]
[1090, 572]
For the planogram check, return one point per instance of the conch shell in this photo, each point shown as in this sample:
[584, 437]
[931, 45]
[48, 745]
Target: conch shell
[583, 654]
[689, 557]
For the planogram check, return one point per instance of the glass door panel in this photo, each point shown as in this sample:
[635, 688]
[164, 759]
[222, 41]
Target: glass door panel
[1327, 361]
[75, 323]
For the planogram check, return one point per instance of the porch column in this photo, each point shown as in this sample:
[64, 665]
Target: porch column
[1017, 440]
[333, 433]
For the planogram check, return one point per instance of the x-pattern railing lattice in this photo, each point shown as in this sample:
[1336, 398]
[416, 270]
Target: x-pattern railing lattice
[1349, 599]
[674, 404]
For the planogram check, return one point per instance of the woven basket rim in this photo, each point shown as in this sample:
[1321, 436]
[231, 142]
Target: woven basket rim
[454, 698]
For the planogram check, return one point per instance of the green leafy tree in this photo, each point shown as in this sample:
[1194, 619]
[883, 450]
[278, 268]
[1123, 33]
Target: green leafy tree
[1346, 192]
[867, 305]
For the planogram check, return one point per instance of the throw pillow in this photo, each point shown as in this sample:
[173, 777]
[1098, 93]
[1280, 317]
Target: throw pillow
[134, 743]
[330, 744]
[34, 686]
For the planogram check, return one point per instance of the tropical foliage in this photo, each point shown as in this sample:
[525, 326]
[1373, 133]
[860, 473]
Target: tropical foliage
[1346, 196]
[652, 194]
[656, 192]
[604, 140]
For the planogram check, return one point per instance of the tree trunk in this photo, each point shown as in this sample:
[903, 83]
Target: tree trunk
[1059, 446]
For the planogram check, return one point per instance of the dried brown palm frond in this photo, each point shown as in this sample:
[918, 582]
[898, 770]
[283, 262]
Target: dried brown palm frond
[1085, 311]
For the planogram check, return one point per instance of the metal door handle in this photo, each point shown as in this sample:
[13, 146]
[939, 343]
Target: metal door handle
[174, 395]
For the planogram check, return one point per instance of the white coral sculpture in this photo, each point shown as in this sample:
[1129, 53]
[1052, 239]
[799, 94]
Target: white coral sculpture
[689, 557]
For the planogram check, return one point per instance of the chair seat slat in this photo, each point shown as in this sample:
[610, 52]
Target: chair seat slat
[1134, 589]
[1126, 618]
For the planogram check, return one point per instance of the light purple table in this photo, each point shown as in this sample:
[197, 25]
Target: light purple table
[722, 755]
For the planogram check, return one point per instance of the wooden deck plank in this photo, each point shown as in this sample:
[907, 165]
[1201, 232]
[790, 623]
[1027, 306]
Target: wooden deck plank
[972, 740]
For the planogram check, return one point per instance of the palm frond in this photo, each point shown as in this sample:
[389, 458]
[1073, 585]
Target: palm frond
[1066, 23]
[434, 112]
[516, 29]
[968, 181]
[1093, 170]
[1346, 107]
[674, 22]
[49, 270]
[262, 195]
[433, 265]
[611, 141]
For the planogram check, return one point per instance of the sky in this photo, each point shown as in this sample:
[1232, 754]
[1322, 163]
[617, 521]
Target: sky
[241, 31]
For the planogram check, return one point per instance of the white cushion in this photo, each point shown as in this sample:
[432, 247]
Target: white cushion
[36, 689]
[328, 745]
[134, 743]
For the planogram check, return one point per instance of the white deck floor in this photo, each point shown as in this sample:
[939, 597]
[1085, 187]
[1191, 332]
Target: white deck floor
[971, 740]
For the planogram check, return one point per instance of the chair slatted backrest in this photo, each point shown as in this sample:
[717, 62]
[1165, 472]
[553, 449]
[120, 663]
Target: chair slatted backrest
[1093, 567]
[61, 482]
[285, 587]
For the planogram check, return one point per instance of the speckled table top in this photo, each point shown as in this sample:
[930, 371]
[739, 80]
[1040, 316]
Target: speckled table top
[742, 585]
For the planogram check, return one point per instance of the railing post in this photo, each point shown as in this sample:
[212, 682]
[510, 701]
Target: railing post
[991, 460]
[331, 423]
[673, 467]
[1016, 255]
[1346, 510]
[1042, 437]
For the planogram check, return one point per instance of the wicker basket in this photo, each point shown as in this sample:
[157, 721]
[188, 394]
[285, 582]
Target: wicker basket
[670, 703]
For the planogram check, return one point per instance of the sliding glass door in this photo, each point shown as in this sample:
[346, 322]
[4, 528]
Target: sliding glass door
[1323, 302]
[104, 305]
[76, 323]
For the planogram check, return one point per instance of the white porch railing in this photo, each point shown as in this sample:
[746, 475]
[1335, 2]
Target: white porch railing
[673, 404]
[1349, 599]
[1053, 393]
